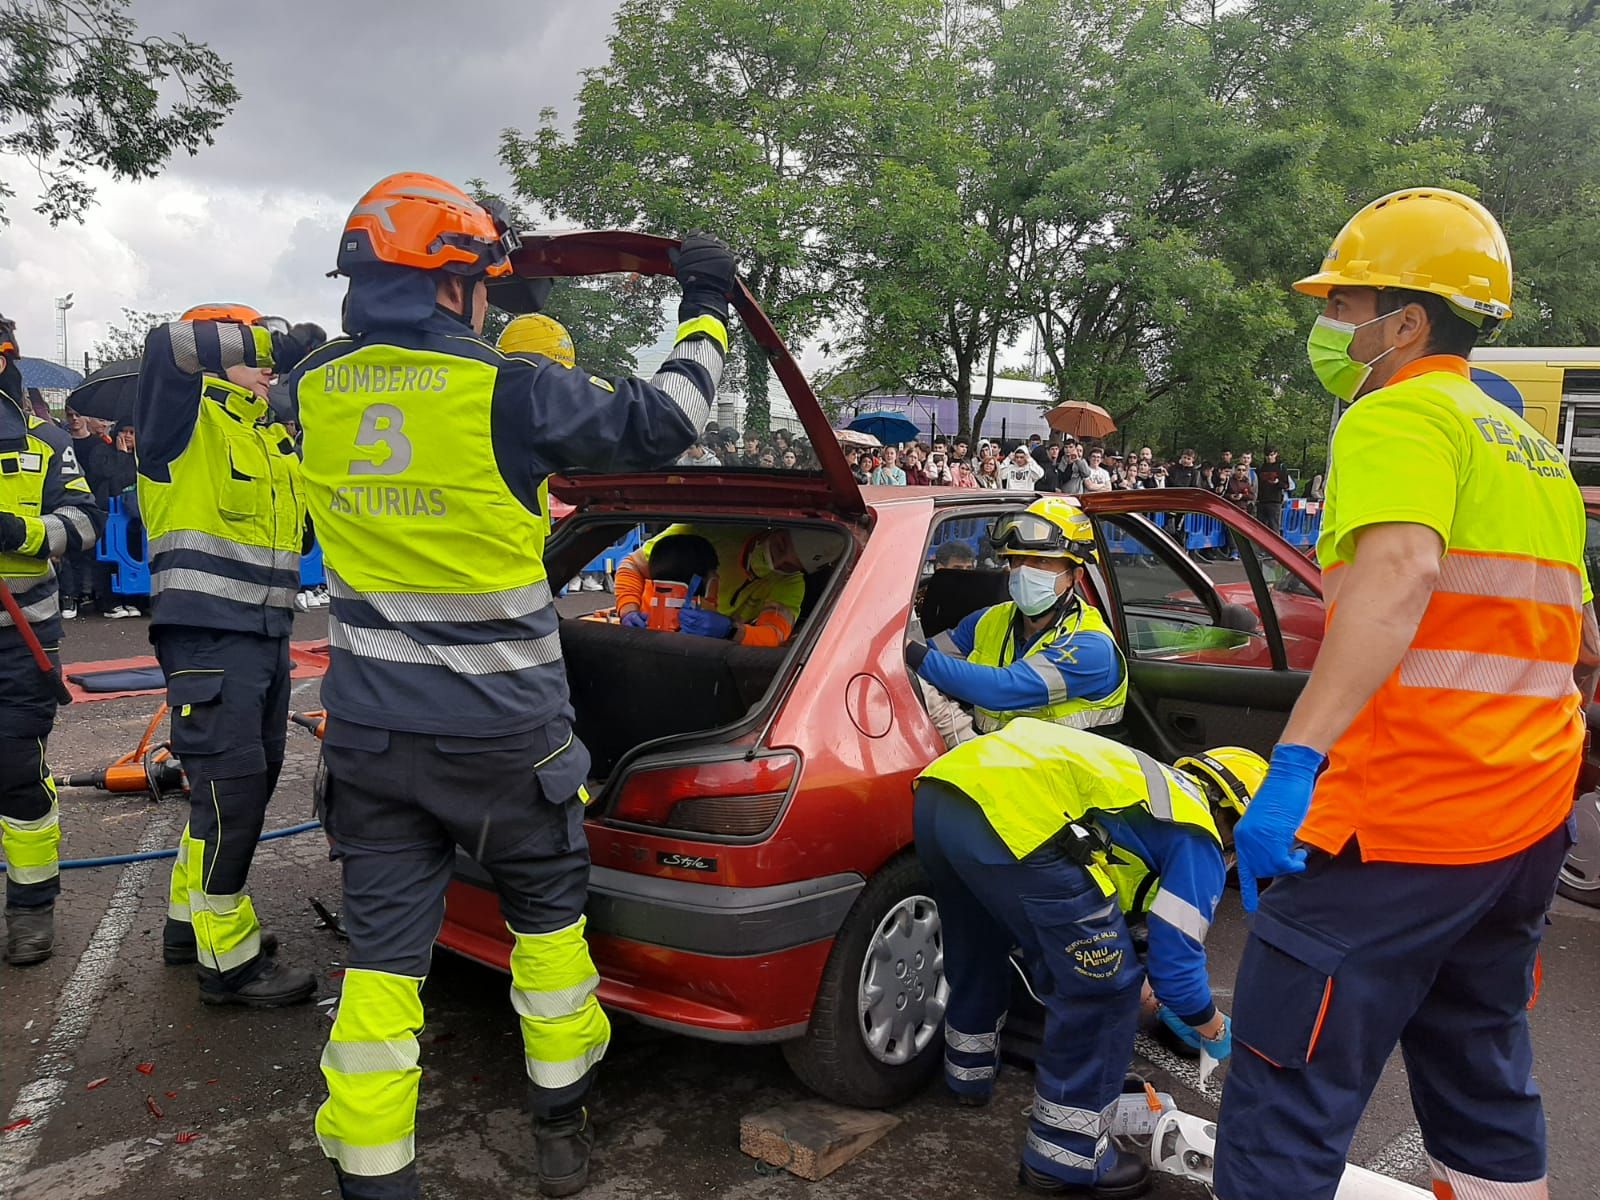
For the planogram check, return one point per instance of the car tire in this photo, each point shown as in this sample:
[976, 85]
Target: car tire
[834, 1058]
[1580, 874]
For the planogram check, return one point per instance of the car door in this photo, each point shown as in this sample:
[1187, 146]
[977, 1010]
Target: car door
[1219, 638]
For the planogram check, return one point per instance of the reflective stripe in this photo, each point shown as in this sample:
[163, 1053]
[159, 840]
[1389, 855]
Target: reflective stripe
[945, 642]
[564, 1074]
[1157, 788]
[968, 1073]
[559, 1002]
[487, 658]
[970, 1043]
[1087, 718]
[178, 910]
[55, 533]
[80, 521]
[1180, 914]
[1050, 675]
[221, 547]
[360, 1058]
[369, 1160]
[40, 874]
[47, 605]
[1510, 579]
[1490, 674]
[707, 351]
[1073, 1120]
[48, 821]
[178, 884]
[32, 846]
[686, 394]
[1067, 1158]
[188, 579]
[456, 607]
[1473, 1187]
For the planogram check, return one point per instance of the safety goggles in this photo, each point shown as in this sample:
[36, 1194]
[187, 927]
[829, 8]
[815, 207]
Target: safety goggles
[493, 255]
[1029, 532]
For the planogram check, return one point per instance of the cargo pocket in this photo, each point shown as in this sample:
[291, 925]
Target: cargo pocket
[247, 476]
[195, 699]
[1284, 989]
[562, 767]
[1085, 941]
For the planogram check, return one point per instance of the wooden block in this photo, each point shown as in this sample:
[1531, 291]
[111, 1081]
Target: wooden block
[811, 1138]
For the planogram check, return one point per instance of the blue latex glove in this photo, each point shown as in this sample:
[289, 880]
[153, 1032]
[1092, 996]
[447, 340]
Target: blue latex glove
[702, 623]
[636, 620]
[1264, 837]
[1219, 1047]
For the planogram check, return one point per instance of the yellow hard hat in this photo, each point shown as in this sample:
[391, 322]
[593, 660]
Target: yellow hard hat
[1231, 773]
[1051, 527]
[535, 333]
[1424, 240]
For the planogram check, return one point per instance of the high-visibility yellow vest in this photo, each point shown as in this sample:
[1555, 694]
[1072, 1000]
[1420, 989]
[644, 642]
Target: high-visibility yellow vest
[441, 616]
[993, 646]
[22, 475]
[225, 528]
[1034, 778]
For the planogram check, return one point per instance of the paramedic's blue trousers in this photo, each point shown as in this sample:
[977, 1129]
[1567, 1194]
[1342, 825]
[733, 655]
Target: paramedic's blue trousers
[1348, 960]
[1080, 960]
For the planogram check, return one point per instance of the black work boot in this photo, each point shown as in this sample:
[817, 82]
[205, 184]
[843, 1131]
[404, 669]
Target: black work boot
[564, 1144]
[30, 934]
[277, 986]
[1127, 1177]
[178, 945]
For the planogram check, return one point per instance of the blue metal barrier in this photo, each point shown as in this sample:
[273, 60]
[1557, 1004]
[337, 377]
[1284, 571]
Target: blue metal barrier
[311, 570]
[1202, 532]
[1300, 527]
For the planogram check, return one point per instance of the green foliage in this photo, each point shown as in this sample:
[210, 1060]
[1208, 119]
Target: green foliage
[80, 88]
[127, 340]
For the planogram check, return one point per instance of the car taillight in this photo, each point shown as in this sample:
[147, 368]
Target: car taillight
[734, 798]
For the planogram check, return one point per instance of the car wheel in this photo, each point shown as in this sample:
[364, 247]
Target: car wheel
[1580, 874]
[874, 1037]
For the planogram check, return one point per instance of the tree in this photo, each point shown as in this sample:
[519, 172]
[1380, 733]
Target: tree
[738, 117]
[80, 88]
[127, 340]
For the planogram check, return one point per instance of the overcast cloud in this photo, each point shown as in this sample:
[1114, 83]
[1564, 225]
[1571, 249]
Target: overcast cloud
[335, 96]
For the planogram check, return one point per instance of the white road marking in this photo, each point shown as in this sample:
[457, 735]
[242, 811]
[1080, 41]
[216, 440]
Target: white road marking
[1181, 1069]
[75, 1010]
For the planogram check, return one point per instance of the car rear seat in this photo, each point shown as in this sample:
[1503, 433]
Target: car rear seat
[631, 686]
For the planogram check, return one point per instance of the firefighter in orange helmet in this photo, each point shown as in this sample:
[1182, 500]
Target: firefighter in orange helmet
[448, 716]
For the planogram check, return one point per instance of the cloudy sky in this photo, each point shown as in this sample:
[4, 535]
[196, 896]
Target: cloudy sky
[335, 96]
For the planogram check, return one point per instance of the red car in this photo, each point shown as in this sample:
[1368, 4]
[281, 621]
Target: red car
[754, 878]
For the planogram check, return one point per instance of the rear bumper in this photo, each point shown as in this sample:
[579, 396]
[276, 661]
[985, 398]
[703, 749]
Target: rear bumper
[727, 963]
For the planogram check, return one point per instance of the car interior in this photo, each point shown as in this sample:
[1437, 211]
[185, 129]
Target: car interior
[634, 686]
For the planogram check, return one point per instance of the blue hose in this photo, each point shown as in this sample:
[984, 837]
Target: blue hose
[117, 860]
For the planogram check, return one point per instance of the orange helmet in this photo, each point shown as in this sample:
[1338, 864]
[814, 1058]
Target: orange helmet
[417, 220]
[241, 313]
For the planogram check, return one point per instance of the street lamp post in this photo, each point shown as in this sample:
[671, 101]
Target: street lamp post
[62, 304]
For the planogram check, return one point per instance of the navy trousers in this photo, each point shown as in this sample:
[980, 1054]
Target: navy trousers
[1080, 960]
[1351, 958]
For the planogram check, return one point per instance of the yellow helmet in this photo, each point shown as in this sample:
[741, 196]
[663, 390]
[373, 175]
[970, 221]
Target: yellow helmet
[1423, 240]
[1231, 773]
[535, 333]
[1051, 527]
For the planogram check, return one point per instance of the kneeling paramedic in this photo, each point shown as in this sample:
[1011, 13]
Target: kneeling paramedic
[46, 511]
[221, 499]
[1430, 764]
[448, 715]
[755, 595]
[1044, 653]
[1040, 836]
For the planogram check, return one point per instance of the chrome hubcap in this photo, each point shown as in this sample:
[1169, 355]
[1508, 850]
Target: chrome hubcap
[1581, 871]
[903, 991]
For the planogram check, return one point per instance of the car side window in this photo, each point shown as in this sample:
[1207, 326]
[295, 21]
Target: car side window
[1173, 613]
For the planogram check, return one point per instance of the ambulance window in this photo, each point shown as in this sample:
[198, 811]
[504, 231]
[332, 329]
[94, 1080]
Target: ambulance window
[1170, 611]
[1591, 551]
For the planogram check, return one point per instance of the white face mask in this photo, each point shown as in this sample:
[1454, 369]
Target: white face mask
[1033, 589]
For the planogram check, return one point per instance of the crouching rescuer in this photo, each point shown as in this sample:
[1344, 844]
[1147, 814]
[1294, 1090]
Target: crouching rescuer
[1042, 836]
[448, 716]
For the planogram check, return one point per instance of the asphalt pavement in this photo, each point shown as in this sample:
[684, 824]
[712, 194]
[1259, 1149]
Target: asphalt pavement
[132, 1089]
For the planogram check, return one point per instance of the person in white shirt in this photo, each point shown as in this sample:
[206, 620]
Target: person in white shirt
[1020, 473]
[1099, 479]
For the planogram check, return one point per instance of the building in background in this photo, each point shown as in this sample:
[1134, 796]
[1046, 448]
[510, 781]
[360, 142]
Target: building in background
[1016, 410]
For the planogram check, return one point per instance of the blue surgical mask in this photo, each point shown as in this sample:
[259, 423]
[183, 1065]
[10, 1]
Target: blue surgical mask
[1033, 589]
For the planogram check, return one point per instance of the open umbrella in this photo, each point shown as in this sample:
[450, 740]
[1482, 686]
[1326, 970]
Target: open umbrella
[889, 427]
[108, 393]
[1081, 419]
[854, 437]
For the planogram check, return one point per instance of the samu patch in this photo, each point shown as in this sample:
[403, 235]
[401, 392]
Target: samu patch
[1097, 957]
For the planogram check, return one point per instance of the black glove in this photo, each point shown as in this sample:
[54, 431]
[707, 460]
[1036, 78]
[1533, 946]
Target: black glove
[289, 349]
[706, 270]
[13, 531]
[915, 653]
